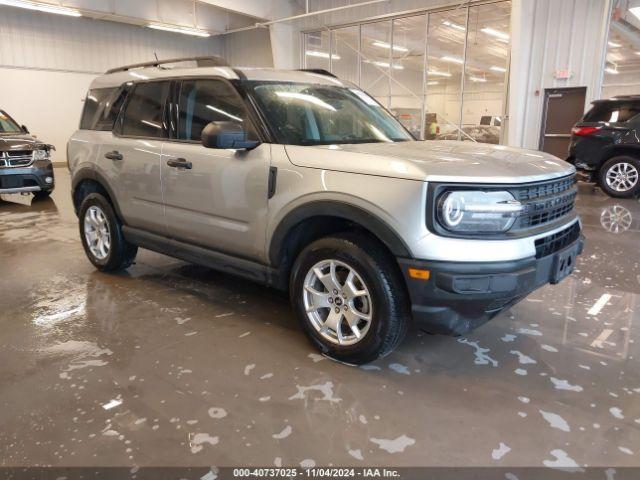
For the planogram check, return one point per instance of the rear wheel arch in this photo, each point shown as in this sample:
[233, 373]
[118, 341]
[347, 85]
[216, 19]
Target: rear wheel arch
[620, 150]
[88, 181]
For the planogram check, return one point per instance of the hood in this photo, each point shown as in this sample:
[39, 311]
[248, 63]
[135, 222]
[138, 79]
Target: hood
[9, 142]
[434, 161]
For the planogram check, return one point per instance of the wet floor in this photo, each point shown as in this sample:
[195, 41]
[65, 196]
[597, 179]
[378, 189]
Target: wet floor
[174, 364]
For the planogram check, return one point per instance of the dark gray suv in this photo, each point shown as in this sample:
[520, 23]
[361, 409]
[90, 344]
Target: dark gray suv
[25, 163]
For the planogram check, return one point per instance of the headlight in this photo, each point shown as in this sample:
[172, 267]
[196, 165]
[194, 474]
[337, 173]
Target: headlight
[467, 211]
[41, 154]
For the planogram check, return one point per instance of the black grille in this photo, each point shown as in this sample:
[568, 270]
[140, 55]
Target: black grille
[545, 189]
[545, 203]
[554, 243]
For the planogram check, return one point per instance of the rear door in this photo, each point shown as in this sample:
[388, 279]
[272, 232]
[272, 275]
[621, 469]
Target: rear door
[131, 157]
[220, 201]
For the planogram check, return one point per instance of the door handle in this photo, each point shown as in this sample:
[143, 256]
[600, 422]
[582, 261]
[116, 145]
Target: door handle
[180, 163]
[115, 155]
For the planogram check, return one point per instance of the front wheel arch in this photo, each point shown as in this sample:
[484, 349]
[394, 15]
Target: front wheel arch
[282, 247]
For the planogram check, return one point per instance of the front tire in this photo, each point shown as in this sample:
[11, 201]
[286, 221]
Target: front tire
[101, 234]
[349, 298]
[619, 177]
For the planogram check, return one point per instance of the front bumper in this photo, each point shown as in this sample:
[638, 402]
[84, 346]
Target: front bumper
[460, 296]
[27, 179]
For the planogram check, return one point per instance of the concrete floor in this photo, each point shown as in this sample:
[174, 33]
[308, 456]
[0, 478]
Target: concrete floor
[173, 364]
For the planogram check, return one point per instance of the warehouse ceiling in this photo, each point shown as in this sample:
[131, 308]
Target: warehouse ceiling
[211, 16]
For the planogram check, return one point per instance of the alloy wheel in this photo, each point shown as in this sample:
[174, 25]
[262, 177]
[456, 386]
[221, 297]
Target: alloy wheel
[337, 302]
[622, 177]
[97, 233]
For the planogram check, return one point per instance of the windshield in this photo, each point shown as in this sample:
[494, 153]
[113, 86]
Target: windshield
[7, 125]
[307, 114]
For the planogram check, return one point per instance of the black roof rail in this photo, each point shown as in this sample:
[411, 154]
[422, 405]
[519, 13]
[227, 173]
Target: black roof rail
[319, 71]
[210, 61]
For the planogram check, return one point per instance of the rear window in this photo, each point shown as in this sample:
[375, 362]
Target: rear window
[101, 108]
[144, 113]
[612, 112]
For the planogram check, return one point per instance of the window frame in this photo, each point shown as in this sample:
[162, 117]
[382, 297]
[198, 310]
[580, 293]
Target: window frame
[131, 87]
[175, 100]
[254, 117]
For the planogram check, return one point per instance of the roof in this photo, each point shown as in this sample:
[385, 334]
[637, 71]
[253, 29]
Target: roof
[618, 98]
[117, 78]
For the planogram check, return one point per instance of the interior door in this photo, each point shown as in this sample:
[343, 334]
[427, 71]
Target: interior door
[131, 158]
[214, 198]
[563, 107]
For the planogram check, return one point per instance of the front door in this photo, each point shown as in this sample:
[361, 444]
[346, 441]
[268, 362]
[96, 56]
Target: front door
[214, 198]
[563, 107]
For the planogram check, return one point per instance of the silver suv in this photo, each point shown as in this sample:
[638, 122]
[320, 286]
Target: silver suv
[303, 182]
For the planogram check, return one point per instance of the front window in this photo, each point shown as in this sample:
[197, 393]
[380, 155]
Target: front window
[309, 114]
[7, 125]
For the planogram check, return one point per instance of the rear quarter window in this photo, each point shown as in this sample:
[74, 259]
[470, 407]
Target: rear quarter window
[101, 108]
[613, 112]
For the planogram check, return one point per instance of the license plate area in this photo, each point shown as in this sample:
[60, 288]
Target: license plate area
[563, 264]
[10, 181]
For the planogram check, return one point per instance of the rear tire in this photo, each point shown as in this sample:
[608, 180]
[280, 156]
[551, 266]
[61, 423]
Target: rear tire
[350, 298]
[101, 234]
[619, 177]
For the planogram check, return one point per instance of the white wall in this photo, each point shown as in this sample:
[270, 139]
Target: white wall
[48, 103]
[48, 61]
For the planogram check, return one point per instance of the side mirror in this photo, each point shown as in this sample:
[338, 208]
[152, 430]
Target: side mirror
[25, 129]
[227, 135]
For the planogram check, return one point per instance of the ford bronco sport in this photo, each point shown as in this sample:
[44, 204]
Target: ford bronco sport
[302, 181]
[25, 163]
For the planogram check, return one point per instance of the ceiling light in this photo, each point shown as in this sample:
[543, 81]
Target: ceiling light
[637, 53]
[612, 71]
[614, 44]
[321, 54]
[395, 66]
[196, 32]
[452, 59]
[41, 7]
[478, 79]
[454, 25]
[438, 74]
[433, 82]
[498, 69]
[397, 48]
[495, 33]
[635, 11]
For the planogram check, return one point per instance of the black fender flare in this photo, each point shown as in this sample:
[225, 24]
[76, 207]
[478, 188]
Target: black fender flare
[89, 173]
[328, 208]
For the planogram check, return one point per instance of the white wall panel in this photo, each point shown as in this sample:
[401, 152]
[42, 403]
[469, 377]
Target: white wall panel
[548, 35]
[48, 61]
[32, 40]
